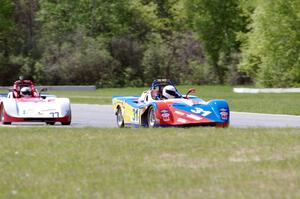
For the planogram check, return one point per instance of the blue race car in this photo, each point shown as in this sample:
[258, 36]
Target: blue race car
[163, 105]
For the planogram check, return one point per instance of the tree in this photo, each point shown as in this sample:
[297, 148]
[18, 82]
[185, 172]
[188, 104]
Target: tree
[107, 43]
[6, 26]
[123, 28]
[7, 48]
[217, 23]
[271, 50]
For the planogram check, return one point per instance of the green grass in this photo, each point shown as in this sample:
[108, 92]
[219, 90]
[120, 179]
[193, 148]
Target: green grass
[260, 103]
[149, 163]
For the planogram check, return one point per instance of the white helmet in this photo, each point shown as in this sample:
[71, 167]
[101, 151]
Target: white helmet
[170, 92]
[25, 91]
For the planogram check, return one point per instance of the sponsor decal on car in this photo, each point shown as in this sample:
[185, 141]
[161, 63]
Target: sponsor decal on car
[224, 114]
[165, 114]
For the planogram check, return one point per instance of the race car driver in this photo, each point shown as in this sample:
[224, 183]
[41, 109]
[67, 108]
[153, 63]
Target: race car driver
[25, 92]
[170, 92]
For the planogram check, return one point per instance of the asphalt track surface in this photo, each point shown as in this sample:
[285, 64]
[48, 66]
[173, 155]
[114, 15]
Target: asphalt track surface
[102, 116]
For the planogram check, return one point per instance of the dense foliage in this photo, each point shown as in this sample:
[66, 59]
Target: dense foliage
[217, 22]
[131, 42]
[271, 51]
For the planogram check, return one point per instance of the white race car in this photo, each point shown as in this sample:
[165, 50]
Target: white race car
[25, 104]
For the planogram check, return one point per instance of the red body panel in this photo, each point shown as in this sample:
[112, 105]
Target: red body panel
[177, 117]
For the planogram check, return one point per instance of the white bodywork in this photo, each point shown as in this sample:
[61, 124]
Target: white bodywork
[146, 97]
[50, 107]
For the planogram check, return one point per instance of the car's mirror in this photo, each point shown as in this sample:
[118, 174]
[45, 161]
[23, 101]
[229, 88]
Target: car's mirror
[190, 91]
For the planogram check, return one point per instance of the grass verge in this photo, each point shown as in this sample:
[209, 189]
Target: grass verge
[149, 163]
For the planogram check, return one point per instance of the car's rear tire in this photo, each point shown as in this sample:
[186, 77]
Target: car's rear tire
[151, 118]
[2, 116]
[120, 119]
[65, 123]
[50, 123]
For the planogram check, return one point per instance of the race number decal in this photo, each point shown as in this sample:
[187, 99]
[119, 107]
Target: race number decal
[201, 112]
[54, 114]
[135, 117]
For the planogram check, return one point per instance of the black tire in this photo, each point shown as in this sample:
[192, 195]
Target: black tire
[151, 119]
[65, 123]
[120, 119]
[50, 123]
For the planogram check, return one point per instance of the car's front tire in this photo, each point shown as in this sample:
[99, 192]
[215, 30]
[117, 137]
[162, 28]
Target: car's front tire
[120, 119]
[2, 112]
[151, 118]
[50, 123]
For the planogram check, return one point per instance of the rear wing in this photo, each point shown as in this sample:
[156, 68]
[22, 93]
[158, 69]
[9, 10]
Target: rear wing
[161, 83]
